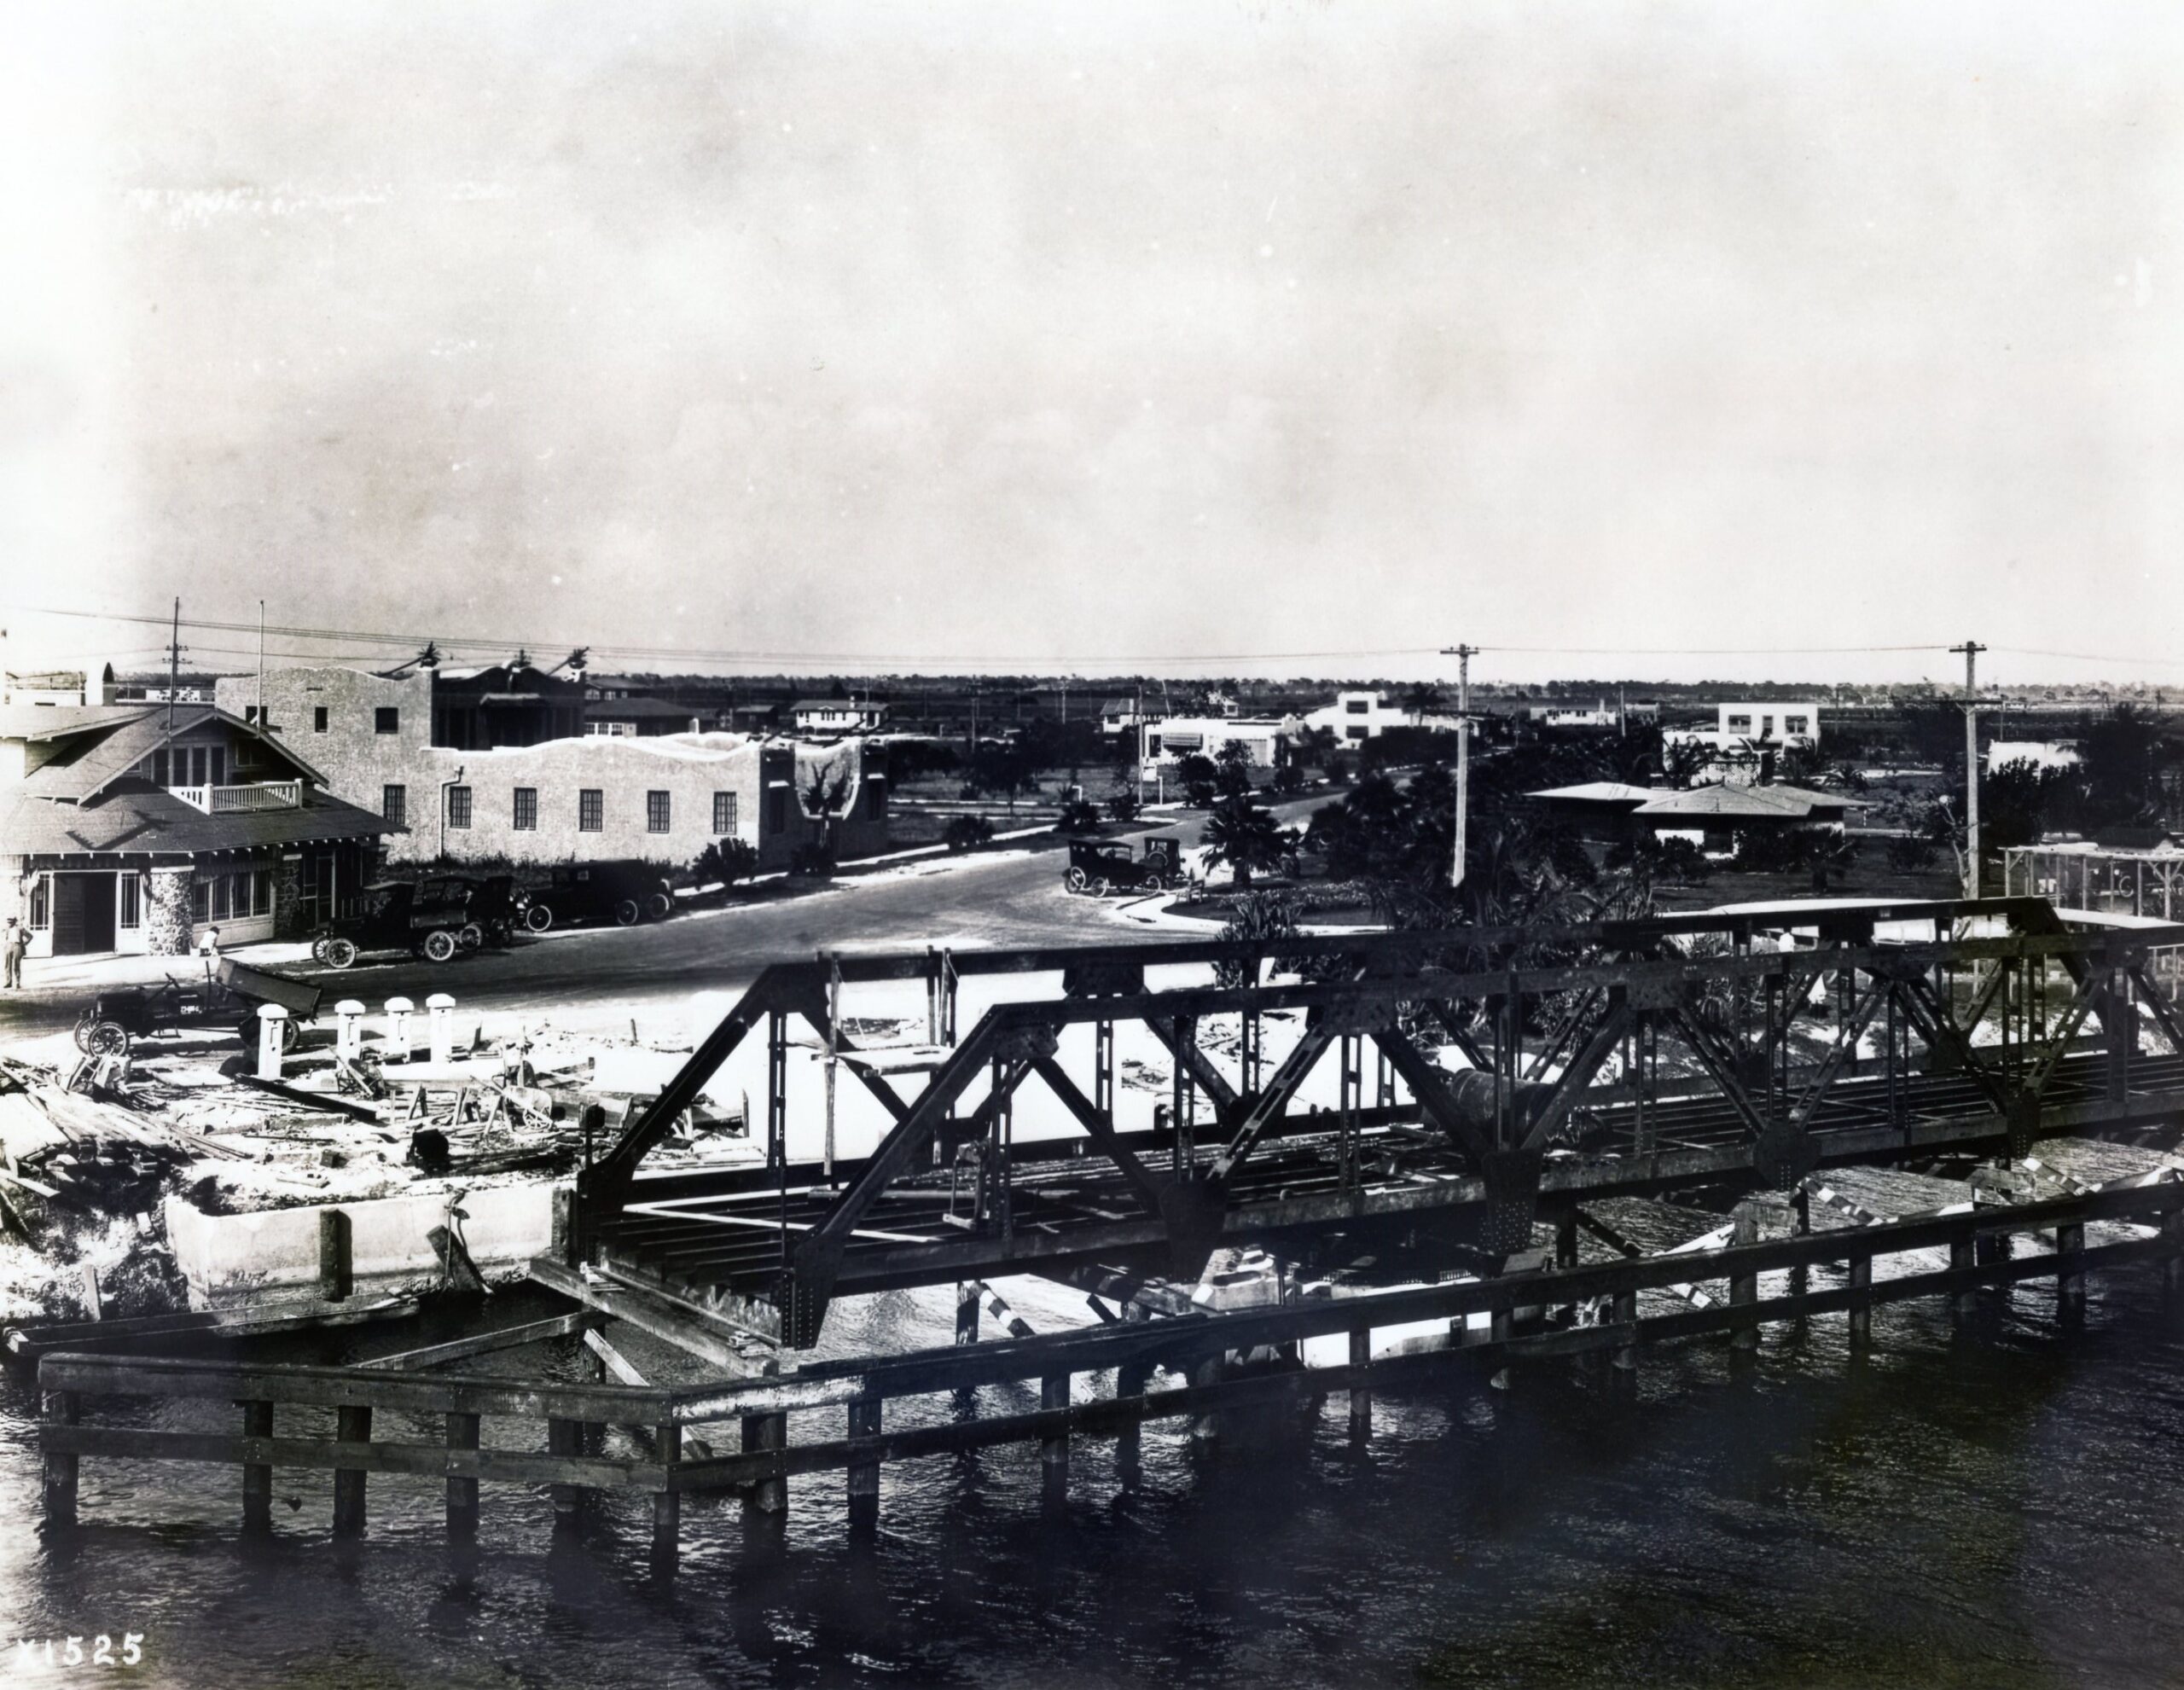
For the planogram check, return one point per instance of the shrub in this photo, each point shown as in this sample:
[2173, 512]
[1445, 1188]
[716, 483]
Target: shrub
[814, 861]
[1077, 818]
[1123, 807]
[725, 861]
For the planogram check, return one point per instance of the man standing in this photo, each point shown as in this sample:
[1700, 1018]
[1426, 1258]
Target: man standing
[13, 944]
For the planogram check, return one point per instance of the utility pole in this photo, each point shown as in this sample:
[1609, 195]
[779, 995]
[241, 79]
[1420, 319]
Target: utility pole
[174, 665]
[1971, 648]
[1463, 655]
[261, 669]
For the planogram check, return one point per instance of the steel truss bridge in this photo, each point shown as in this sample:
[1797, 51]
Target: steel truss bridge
[1618, 1059]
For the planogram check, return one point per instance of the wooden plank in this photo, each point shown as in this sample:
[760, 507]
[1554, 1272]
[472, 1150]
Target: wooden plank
[25, 1345]
[684, 1325]
[485, 1342]
[334, 1387]
[327, 1102]
[427, 1460]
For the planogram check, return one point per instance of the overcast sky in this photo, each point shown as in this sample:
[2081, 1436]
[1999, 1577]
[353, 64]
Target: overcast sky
[1089, 335]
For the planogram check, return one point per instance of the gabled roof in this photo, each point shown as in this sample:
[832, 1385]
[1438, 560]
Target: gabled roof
[1773, 802]
[114, 748]
[37, 722]
[1600, 792]
[838, 704]
[638, 708]
[137, 819]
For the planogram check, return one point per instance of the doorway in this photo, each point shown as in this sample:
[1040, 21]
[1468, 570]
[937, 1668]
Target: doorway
[83, 915]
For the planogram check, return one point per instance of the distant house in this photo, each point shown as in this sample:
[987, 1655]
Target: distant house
[1360, 714]
[635, 717]
[1712, 817]
[1120, 715]
[59, 687]
[838, 716]
[1265, 739]
[2038, 753]
[136, 827]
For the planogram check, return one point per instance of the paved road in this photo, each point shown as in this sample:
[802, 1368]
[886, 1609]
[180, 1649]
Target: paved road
[1006, 898]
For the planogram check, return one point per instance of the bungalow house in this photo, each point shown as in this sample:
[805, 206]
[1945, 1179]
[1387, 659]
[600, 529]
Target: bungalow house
[1360, 714]
[1711, 817]
[838, 716]
[1266, 741]
[638, 718]
[1120, 715]
[137, 827]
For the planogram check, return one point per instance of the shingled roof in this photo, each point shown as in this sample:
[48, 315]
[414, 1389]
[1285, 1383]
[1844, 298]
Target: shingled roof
[134, 818]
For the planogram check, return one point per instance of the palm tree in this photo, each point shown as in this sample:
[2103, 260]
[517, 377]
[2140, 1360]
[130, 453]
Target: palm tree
[1420, 701]
[1244, 835]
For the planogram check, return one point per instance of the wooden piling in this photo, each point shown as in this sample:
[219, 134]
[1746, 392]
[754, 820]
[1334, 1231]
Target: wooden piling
[2070, 1271]
[566, 1437]
[1965, 1302]
[62, 1407]
[762, 1432]
[1361, 1396]
[353, 1423]
[967, 1311]
[2172, 1234]
[1623, 1369]
[1744, 1288]
[1862, 1312]
[864, 1470]
[334, 1255]
[257, 1476]
[1053, 1448]
[1130, 1381]
[667, 1503]
[462, 1493]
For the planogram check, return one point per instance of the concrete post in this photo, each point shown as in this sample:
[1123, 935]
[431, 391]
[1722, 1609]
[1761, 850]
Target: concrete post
[441, 1008]
[271, 1026]
[397, 1028]
[349, 1029]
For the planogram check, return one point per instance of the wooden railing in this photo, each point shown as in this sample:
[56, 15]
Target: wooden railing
[234, 800]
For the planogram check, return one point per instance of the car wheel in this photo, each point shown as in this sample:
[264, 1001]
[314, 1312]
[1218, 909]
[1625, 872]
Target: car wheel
[538, 918]
[84, 1025]
[341, 953]
[440, 945]
[108, 1038]
[626, 913]
[318, 950]
[1076, 879]
[470, 936]
[1098, 887]
[659, 906]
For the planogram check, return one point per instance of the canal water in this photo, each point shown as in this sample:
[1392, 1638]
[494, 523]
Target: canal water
[1997, 1508]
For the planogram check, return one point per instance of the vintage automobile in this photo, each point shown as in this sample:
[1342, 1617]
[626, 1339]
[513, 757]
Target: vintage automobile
[622, 892]
[496, 905]
[394, 915]
[1098, 866]
[231, 993]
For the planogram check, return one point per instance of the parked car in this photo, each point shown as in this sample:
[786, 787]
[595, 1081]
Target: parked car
[1100, 866]
[496, 905]
[233, 993]
[624, 893]
[394, 915]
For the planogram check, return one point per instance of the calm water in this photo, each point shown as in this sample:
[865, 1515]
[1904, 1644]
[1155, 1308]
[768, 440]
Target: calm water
[2003, 1509]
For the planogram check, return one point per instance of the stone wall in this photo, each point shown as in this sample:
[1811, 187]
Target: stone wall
[166, 912]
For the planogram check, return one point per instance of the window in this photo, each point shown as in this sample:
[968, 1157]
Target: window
[318, 719]
[591, 809]
[159, 767]
[216, 765]
[1766, 726]
[235, 896]
[723, 812]
[386, 719]
[777, 810]
[394, 806]
[1736, 724]
[656, 811]
[527, 809]
[1357, 706]
[458, 806]
[1796, 724]
[201, 900]
[131, 889]
[41, 902]
[1357, 733]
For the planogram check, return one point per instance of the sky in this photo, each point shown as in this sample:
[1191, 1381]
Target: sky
[1666, 340]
